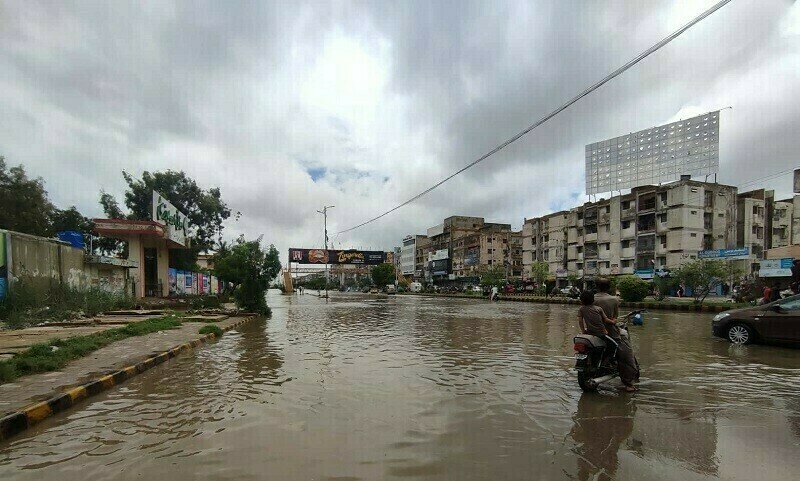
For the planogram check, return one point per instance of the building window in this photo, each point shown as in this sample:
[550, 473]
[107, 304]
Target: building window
[693, 212]
[662, 218]
[626, 224]
[720, 215]
[608, 228]
[692, 235]
[626, 244]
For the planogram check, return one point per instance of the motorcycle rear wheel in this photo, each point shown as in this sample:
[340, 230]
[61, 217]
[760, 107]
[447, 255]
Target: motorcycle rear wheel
[585, 382]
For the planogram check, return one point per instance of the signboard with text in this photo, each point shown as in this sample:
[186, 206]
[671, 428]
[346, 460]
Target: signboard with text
[175, 222]
[330, 256]
[740, 253]
[776, 267]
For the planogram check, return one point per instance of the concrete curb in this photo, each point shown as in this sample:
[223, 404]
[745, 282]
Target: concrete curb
[16, 422]
[663, 306]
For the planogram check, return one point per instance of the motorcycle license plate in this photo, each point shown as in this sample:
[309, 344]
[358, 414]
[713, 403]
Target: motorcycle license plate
[581, 357]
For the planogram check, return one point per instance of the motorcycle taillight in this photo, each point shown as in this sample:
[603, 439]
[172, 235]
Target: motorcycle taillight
[579, 347]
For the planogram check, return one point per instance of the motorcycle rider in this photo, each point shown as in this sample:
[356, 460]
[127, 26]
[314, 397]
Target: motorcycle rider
[626, 361]
[494, 295]
[593, 320]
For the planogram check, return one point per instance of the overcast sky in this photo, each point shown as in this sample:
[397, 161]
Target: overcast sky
[289, 106]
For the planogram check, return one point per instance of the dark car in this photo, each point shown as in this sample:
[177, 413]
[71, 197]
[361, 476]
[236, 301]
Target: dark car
[777, 321]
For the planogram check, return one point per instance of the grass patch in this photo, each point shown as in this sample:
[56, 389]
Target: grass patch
[55, 354]
[211, 329]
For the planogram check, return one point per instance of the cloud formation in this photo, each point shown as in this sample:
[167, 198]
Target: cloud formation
[291, 106]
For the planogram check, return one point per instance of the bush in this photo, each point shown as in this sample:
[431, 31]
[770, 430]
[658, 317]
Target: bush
[205, 302]
[633, 288]
[250, 297]
[28, 303]
[211, 329]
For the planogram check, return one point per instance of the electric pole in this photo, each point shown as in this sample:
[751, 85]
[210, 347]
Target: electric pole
[324, 213]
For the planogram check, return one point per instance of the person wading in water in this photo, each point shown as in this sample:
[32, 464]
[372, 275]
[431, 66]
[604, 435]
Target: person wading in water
[626, 361]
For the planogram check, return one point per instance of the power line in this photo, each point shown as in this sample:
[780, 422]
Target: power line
[552, 114]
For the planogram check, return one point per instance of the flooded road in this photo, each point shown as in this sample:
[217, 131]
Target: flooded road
[375, 387]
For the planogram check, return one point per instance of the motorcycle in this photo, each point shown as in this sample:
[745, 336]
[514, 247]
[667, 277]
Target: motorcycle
[593, 356]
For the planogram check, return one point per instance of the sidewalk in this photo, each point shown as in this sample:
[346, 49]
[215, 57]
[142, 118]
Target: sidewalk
[100, 370]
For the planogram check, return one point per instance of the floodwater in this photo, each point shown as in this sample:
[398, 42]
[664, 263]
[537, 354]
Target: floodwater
[400, 387]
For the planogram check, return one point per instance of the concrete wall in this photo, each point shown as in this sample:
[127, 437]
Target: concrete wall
[44, 261]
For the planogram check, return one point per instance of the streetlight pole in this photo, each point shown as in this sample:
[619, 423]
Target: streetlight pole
[324, 213]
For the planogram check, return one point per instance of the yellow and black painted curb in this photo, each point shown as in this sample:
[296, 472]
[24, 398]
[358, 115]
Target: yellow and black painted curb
[16, 422]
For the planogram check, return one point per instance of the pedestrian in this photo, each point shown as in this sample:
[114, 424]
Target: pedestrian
[766, 295]
[681, 290]
[493, 297]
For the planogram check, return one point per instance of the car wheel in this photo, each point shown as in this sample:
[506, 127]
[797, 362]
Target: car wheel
[740, 334]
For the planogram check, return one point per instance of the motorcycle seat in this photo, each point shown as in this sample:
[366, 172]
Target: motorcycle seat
[593, 341]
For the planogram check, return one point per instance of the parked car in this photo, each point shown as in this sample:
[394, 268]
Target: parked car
[390, 289]
[415, 287]
[777, 321]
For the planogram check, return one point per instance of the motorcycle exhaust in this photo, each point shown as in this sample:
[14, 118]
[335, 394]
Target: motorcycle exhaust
[602, 379]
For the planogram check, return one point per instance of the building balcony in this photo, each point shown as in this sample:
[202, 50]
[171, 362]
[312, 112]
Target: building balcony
[628, 233]
[590, 237]
[661, 249]
[627, 270]
[628, 213]
[605, 254]
[605, 271]
[628, 253]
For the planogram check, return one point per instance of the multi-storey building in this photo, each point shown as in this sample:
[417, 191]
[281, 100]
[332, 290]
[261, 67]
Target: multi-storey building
[421, 249]
[650, 228]
[408, 254]
[751, 225]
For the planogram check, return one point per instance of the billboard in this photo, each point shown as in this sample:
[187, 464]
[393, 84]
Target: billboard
[472, 257]
[776, 267]
[439, 267]
[174, 220]
[322, 256]
[656, 155]
[3, 266]
[173, 281]
[187, 282]
[797, 181]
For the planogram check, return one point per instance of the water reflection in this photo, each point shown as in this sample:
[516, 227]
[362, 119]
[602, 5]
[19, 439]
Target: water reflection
[603, 424]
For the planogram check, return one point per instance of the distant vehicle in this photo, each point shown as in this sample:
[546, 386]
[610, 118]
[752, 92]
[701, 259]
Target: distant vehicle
[373, 290]
[390, 289]
[415, 287]
[365, 290]
[778, 322]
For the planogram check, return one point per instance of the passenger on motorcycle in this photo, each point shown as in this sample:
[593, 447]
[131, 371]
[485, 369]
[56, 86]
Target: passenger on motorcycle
[593, 320]
[627, 364]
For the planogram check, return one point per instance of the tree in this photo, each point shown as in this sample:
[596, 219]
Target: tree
[540, 271]
[493, 276]
[572, 279]
[703, 276]
[250, 269]
[205, 209]
[632, 288]
[25, 206]
[70, 220]
[383, 275]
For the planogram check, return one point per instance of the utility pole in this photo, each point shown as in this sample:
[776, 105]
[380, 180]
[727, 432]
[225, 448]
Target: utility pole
[324, 213]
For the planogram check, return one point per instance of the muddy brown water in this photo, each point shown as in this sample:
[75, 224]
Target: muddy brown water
[378, 387]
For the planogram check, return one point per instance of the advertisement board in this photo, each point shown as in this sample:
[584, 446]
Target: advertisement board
[206, 284]
[438, 255]
[195, 283]
[776, 267]
[472, 257]
[187, 282]
[180, 283]
[322, 256]
[439, 267]
[173, 281]
[3, 266]
[175, 222]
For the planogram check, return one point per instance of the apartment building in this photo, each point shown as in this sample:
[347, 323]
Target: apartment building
[651, 228]
[421, 248]
[545, 239]
[781, 230]
[751, 225]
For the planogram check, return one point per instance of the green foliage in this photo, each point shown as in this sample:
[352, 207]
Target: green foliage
[493, 276]
[205, 302]
[56, 354]
[211, 329]
[632, 288]
[703, 275]
[28, 303]
[383, 274]
[364, 281]
[26, 207]
[540, 271]
[250, 268]
[572, 279]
